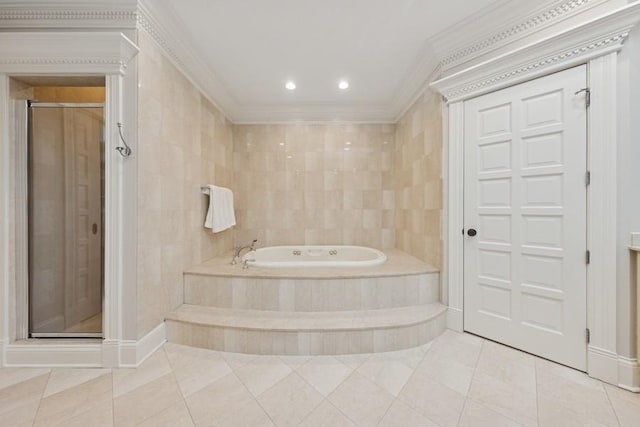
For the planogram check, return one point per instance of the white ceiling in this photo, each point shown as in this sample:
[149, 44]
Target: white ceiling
[253, 47]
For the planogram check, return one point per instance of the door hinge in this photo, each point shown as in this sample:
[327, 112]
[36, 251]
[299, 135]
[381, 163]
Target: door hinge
[587, 178]
[587, 96]
[588, 257]
[588, 336]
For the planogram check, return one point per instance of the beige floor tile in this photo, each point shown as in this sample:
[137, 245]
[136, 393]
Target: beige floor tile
[457, 376]
[401, 415]
[227, 402]
[195, 368]
[146, 401]
[577, 395]
[71, 403]
[238, 360]
[262, 373]
[433, 400]
[505, 399]
[63, 379]
[625, 404]
[126, 380]
[353, 361]
[100, 415]
[461, 348]
[290, 401]
[553, 414]
[361, 400]
[391, 374]
[294, 362]
[12, 376]
[476, 415]
[19, 401]
[325, 373]
[508, 365]
[327, 415]
[174, 416]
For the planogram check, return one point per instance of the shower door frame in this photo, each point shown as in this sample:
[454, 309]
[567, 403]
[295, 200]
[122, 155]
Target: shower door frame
[68, 248]
[72, 54]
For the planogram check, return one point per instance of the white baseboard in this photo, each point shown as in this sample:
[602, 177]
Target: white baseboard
[133, 353]
[41, 355]
[454, 319]
[602, 364]
[108, 353]
[629, 374]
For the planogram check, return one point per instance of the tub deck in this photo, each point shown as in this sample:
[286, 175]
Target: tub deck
[398, 264]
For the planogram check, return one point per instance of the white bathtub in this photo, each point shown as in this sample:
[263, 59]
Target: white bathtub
[315, 256]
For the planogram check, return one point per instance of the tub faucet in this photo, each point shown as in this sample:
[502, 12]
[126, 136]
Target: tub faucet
[251, 247]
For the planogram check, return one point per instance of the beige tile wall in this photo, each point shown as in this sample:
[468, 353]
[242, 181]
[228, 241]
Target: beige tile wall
[418, 179]
[314, 184]
[183, 143]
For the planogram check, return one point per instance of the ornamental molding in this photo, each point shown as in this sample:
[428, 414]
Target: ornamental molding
[574, 46]
[38, 14]
[80, 52]
[513, 31]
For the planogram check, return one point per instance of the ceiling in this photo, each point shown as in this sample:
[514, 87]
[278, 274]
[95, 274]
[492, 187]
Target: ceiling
[253, 47]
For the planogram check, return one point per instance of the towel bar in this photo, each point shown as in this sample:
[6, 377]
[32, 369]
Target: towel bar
[204, 189]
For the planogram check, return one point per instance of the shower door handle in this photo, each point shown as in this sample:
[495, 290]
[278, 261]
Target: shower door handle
[94, 228]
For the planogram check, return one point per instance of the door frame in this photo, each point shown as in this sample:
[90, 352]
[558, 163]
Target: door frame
[595, 43]
[71, 54]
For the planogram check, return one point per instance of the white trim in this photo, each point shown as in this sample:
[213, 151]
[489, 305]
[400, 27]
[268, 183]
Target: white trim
[21, 208]
[602, 364]
[602, 218]
[133, 353]
[43, 14]
[574, 46]
[595, 43]
[454, 209]
[50, 53]
[36, 355]
[629, 374]
[60, 53]
[470, 42]
[455, 319]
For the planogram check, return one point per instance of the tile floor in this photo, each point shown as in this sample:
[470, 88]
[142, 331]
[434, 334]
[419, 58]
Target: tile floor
[457, 380]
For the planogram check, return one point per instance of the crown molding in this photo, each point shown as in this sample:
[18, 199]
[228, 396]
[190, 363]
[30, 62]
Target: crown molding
[161, 26]
[576, 45]
[446, 51]
[81, 52]
[470, 38]
[69, 14]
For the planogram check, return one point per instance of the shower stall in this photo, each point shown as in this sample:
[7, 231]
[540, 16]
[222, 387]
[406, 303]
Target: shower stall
[65, 187]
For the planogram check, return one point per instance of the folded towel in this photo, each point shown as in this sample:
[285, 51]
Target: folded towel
[220, 215]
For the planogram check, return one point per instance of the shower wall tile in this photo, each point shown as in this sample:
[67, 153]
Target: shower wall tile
[184, 142]
[418, 180]
[314, 184]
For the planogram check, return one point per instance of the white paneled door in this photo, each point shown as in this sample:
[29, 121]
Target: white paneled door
[525, 267]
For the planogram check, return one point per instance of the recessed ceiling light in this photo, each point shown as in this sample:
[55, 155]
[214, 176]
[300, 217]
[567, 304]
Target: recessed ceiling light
[290, 85]
[343, 85]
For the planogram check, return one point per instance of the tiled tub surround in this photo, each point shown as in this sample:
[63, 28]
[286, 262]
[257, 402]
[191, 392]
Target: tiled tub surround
[418, 179]
[300, 311]
[314, 184]
[183, 143]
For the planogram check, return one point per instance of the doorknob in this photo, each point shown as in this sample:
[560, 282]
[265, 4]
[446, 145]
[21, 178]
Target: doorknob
[471, 232]
[94, 228]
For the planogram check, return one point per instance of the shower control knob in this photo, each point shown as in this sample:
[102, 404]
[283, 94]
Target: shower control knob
[471, 232]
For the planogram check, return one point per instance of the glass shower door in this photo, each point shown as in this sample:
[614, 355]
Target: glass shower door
[66, 239]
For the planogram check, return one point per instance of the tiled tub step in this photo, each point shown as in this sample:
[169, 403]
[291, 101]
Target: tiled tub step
[316, 294]
[303, 333]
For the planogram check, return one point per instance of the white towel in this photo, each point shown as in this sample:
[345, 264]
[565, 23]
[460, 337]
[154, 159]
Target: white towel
[220, 215]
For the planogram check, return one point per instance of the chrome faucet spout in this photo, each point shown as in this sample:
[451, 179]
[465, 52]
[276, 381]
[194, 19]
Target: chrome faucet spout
[251, 247]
